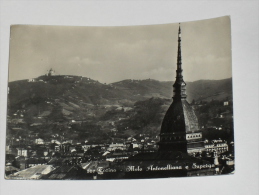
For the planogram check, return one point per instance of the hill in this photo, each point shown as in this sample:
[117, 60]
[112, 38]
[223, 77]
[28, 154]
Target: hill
[75, 97]
[81, 108]
[207, 90]
[201, 90]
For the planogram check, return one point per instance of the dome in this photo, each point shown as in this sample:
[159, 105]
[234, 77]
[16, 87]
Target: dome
[179, 118]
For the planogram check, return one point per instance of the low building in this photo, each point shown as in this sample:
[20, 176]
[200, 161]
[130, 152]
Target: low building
[11, 150]
[57, 148]
[31, 80]
[39, 141]
[67, 172]
[35, 172]
[116, 146]
[22, 152]
[116, 156]
[31, 162]
[220, 146]
[9, 169]
[226, 103]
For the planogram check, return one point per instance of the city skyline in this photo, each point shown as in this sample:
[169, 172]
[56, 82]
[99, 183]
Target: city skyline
[110, 54]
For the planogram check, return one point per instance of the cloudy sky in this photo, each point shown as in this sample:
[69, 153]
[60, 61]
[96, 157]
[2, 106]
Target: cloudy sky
[110, 54]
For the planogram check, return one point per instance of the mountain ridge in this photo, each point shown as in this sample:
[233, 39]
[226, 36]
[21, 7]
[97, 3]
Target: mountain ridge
[79, 97]
[82, 108]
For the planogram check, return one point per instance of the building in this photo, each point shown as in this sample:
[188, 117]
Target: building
[220, 146]
[179, 130]
[66, 172]
[22, 152]
[116, 146]
[35, 172]
[9, 169]
[50, 72]
[179, 136]
[116, 156]
[31, 162]
[39, 141]
[31, 80]
[226, 103]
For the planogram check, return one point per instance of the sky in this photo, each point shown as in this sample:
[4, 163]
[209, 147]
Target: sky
[110, 54]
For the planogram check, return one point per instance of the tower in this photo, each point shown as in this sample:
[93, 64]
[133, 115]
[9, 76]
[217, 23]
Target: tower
[179, 130]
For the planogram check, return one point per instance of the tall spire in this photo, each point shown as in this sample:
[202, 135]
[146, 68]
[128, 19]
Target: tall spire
[179, 85]
[180, 119]
[179, 53]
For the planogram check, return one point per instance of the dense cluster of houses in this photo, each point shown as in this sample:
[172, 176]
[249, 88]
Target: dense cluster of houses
[58, 153]
[40, 159]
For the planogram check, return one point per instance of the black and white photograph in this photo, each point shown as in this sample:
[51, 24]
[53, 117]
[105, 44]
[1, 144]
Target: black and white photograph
[120, 102]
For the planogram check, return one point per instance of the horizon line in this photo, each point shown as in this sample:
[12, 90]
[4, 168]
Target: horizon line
[122, 80]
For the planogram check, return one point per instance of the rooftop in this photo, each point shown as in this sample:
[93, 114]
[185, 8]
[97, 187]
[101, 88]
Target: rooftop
[32, 173]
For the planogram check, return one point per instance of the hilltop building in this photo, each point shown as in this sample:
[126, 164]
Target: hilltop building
[31, 80]
[50, 72]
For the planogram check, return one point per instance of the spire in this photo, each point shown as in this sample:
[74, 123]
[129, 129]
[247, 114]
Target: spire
[179, 85]
[180, 118]
[179, 53]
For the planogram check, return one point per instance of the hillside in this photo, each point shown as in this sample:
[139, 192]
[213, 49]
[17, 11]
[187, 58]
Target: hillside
[81, 108]
[207, 90]
[75, 97]
[58, 96]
